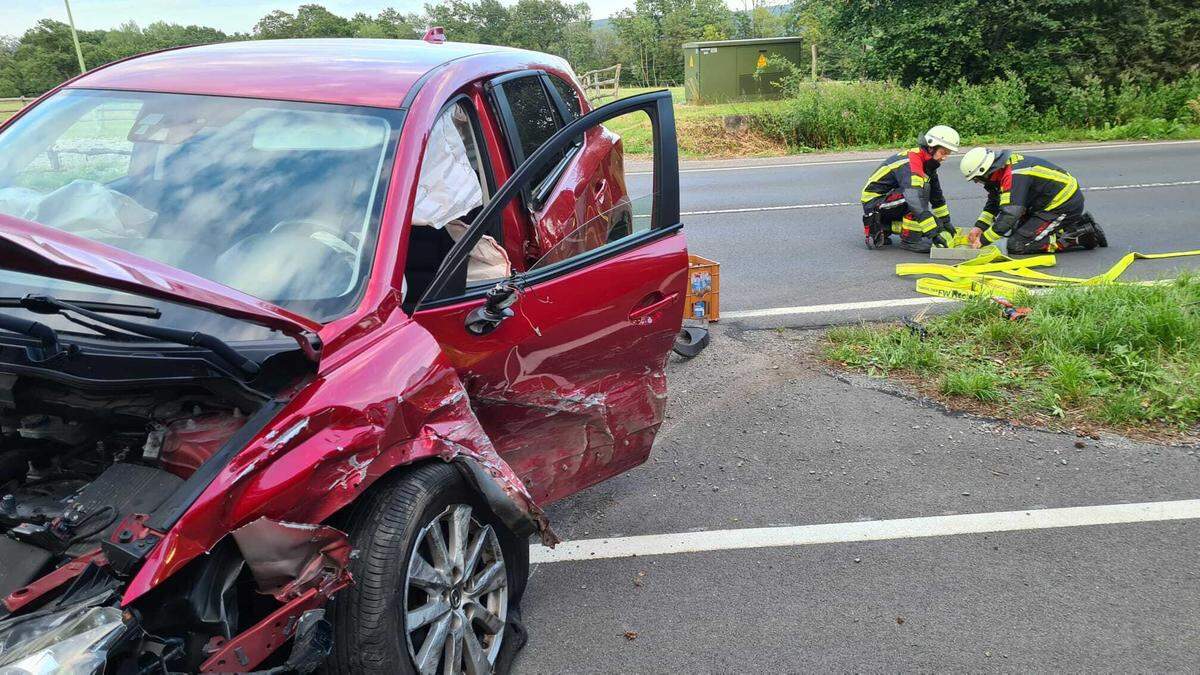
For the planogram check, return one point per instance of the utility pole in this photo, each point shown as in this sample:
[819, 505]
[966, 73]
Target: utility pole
[75, 38]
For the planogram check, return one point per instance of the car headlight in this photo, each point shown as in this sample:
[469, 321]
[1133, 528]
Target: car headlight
[74, 640]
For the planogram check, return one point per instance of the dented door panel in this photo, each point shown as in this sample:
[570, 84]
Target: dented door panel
[571, 390]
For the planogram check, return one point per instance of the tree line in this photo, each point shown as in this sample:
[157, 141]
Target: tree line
[1049, 44]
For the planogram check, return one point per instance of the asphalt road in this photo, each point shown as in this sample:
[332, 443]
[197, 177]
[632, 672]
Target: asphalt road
[814, 255]
[760, 434]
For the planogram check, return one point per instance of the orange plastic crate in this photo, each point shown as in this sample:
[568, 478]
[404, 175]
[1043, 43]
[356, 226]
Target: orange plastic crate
[703, 289]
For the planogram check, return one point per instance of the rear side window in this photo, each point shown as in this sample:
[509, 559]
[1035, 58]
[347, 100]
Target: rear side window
[567, 93]
[532, 106]
[534, 117]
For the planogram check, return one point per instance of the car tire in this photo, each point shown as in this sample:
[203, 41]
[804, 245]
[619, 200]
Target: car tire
[388, 527]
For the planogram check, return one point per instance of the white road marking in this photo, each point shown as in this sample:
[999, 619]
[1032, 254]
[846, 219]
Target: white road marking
[793, 207]
[788, 207]
[1142, 185]
[834, 307]
[786, 165]
[877, 530]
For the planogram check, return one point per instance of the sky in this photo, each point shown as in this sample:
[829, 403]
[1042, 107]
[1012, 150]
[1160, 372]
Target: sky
[228, 15]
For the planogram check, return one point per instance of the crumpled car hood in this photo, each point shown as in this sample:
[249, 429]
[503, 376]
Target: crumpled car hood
[28, 247]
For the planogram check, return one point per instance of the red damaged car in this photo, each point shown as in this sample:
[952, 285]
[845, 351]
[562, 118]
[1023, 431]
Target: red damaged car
[297, 337]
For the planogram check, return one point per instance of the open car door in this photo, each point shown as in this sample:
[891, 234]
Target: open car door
[564, 362]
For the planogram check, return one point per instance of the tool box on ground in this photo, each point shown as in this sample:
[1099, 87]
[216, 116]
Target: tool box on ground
[703, 289]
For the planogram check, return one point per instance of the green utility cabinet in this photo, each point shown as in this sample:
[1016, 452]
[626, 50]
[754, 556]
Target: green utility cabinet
[723, 70]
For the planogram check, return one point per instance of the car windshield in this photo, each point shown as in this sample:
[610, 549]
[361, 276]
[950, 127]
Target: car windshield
[279, 200]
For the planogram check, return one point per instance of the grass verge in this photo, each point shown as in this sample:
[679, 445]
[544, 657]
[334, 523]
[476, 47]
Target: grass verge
[838, 116]
[1119, 357]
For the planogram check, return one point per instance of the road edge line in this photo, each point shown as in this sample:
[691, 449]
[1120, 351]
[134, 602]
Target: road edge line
[865, 531]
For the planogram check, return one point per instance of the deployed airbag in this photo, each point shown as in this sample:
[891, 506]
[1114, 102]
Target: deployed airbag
[449, 185]
[81, 207]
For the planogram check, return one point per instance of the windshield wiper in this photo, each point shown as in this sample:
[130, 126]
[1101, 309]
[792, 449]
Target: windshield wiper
[101, 307]
[45, 304]
[44, 334]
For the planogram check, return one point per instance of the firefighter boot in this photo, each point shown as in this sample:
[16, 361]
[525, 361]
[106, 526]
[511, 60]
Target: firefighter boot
[876, 236]
[913, 241]
[1083, 233]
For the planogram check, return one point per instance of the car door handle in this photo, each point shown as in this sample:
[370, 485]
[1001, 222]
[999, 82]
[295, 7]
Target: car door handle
[644, 310]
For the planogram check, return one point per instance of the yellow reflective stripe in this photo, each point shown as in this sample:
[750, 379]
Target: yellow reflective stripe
[868, 196]
[1014, 158]
[992, 236]
[1070, 185]
[942, 211]
[920, 226]
[918, 181]
[986, 217]
[1005, 198]
[885, 170]
[897, 228]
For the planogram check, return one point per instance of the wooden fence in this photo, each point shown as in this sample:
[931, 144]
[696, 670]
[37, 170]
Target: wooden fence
[602, 84]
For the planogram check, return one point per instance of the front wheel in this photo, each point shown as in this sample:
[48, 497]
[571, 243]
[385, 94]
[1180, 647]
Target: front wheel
[436, 581]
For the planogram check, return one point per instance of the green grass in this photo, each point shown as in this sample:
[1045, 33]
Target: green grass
[7, 108]
[839, 116]
[1122, 356]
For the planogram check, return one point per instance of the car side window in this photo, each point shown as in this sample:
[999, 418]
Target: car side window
[533, 115]
[567, 94]
[620, 202]
[615, 205]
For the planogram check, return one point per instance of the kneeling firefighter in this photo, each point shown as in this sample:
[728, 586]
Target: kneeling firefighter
[904, 196]
[1033, 202]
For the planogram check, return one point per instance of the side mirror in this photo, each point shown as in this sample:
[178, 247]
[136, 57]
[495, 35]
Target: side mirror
[496, 308]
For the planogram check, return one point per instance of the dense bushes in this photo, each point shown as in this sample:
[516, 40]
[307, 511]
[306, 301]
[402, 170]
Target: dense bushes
[1048, 43]
[837, 114]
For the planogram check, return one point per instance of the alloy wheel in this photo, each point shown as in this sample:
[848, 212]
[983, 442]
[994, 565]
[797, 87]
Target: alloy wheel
[456, 593]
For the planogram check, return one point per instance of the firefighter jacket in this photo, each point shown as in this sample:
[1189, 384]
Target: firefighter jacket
[912, 173]
[1022, 184]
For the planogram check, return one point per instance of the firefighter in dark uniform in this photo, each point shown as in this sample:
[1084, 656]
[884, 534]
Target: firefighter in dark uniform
[1033, 202]
[904, 196]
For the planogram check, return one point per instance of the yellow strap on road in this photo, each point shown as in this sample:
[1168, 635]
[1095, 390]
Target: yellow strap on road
[963, 288]
[1122, 264]
[993, 273]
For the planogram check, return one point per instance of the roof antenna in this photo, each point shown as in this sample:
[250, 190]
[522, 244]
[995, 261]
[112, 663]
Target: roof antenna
[435, 35]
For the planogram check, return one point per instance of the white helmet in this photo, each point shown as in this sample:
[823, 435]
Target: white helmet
[941, 136]
[977, 162]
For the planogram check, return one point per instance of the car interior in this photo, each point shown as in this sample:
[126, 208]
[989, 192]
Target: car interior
[452, 189]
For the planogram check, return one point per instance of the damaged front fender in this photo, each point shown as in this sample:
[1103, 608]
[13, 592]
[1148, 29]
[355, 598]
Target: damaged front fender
[397, 402]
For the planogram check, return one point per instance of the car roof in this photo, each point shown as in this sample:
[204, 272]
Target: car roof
[376, 73]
